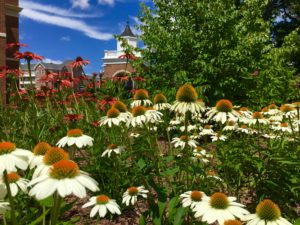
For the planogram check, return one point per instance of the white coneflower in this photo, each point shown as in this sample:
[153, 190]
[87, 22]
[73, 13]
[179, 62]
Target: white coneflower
[153, 116]
[189, 128]
[75, 137]
[288, 110]
[258, 118]
[113, 118]
[187, 101]
[191, 198]
[223, 111]
[65, 178]
[218, 137]
[112, 148]
[4, 206]
[283, 127]
[131, 194]
[200, 154]
[184, 141]
[139, 117]
[219, 208]
[16, 183]
[245, 112]
[160, 102]
[102, 204]
[38, 153]
[13, 158]
[122, 109]
[245, 129]
[267, 213]
[52, 156]
[230, 126]
[207, 130]
[141, 98]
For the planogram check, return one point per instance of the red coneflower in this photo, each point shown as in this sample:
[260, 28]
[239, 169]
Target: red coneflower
[128, 56]
[73, 117]
[79, 62]
[28, 56]
[16, 44]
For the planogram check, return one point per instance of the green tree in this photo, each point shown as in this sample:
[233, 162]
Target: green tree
[223, 47]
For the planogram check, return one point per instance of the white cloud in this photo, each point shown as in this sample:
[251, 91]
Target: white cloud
[82, 4]
[27, 4]
[65, 38]
[74, 24]
[106, 2]
[47, 60]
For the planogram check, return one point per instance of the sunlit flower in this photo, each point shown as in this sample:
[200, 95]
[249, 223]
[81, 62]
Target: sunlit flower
[232, 222]
[218, 137]
[186, 101]
[288, 110]
[130, 196]
[16, 183]
[4, 206]
[153, 116]
[141, 98]
[102, 204]
[28, 56]
[184, 141]
[112, 148]
[113, 117]
[139, 117]
[191, 198]
[283, 127]
[245, 112]
[160, 102]
[219, 208]
[122, 109]
[16, 44]
[13, 158]
[52, 156]
[38, 153]
[223, 111]
[65, 178]
[75, 137]
[267, 213]
[134, 135]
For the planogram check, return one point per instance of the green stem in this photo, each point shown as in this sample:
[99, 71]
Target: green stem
[44, 213]
[30, 76]
[11, 200]
[55, 209]
[4, 220]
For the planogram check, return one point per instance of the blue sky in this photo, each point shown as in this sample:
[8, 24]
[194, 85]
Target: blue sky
[60, 30]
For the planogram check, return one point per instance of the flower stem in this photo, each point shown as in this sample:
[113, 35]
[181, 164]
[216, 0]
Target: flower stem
[11, 200]
[55, 209]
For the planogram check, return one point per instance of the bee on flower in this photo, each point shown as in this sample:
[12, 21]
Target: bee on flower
[141, 98]
[102, 204]
[75, 137]
[130, 196]
[184, 141]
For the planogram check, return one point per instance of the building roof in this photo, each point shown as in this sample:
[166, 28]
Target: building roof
[127, 31]
[25, 67]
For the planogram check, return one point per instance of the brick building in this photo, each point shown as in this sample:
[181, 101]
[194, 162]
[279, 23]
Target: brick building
[113, 65]
[9, 33]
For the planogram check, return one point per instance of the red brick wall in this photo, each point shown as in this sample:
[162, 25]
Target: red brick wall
[2, 50]
[111, 69]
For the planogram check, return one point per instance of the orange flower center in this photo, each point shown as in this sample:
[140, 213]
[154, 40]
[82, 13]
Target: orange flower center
[284, 124]
[102, 199]
[184, 138]
[207, 126]
[54, 155]
[41, 148]
[113, 113]
[286, 108]
[272, 106]
[160, 98]
[133, 191]
[244, 126]
[296, 104]
[232, 222]
[224, 105]
[6, 147]
[75, 133]
[244, 109]
[196, 196]
[219, 201]
[141, 94]
[12, 177]
[186, 93]
[230, 123]
[265, 109]
[64, 169]
[120, 106]
[112, 146]
[138, 111]
[268, 210]
[257, 115]
[199, 149]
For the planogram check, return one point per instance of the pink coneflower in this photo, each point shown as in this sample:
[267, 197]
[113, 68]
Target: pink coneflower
[128, 56]
[28, 56]
[16, 44]
[107, 101]
[72, 117]
[79, 62]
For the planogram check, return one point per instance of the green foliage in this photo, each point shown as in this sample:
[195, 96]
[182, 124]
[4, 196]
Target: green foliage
[221, 47]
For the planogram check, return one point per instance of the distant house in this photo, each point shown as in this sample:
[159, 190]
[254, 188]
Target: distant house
[41, 69]
[9, 33]
[112, 63]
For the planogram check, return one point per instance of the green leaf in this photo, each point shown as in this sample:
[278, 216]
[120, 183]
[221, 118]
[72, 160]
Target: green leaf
[141, 163]
[142, 220]
[40, 218]
[297, 222]
[48, 202]
[178, 218]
